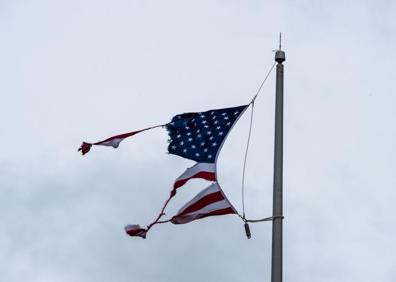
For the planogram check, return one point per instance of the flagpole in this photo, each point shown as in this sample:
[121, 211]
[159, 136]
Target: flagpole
[276, 266]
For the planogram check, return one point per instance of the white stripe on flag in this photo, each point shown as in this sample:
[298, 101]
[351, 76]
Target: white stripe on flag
[210, 201]
[213, 188]
[217, 208]
[199, 170]
[113, 143]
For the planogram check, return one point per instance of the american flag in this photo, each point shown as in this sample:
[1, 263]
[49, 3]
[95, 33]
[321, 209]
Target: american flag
[199, 137]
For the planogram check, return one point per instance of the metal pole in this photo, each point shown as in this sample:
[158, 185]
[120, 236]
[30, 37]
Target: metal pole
[276, 267]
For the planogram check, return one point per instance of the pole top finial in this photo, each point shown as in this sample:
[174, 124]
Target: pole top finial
[280, 56]
[280, 40]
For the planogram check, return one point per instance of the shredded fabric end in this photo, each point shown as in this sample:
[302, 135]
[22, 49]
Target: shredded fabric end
[135, 230]
[85, 148]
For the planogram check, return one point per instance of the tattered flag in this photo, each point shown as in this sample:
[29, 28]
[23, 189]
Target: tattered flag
[196, 136]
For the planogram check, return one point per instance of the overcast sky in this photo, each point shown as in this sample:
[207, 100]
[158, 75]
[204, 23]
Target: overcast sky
[85, 70]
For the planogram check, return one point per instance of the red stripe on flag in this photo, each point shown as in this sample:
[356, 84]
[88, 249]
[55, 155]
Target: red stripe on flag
[203, 202]
[182, 219]
[211, 176]
[218, 212]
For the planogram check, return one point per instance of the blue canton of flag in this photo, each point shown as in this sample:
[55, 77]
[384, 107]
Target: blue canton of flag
[199, 136]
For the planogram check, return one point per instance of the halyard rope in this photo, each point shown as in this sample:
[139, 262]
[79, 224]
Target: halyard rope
[248, 143]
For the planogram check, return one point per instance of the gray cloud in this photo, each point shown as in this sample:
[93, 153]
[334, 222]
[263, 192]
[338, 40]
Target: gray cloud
[75, 71]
